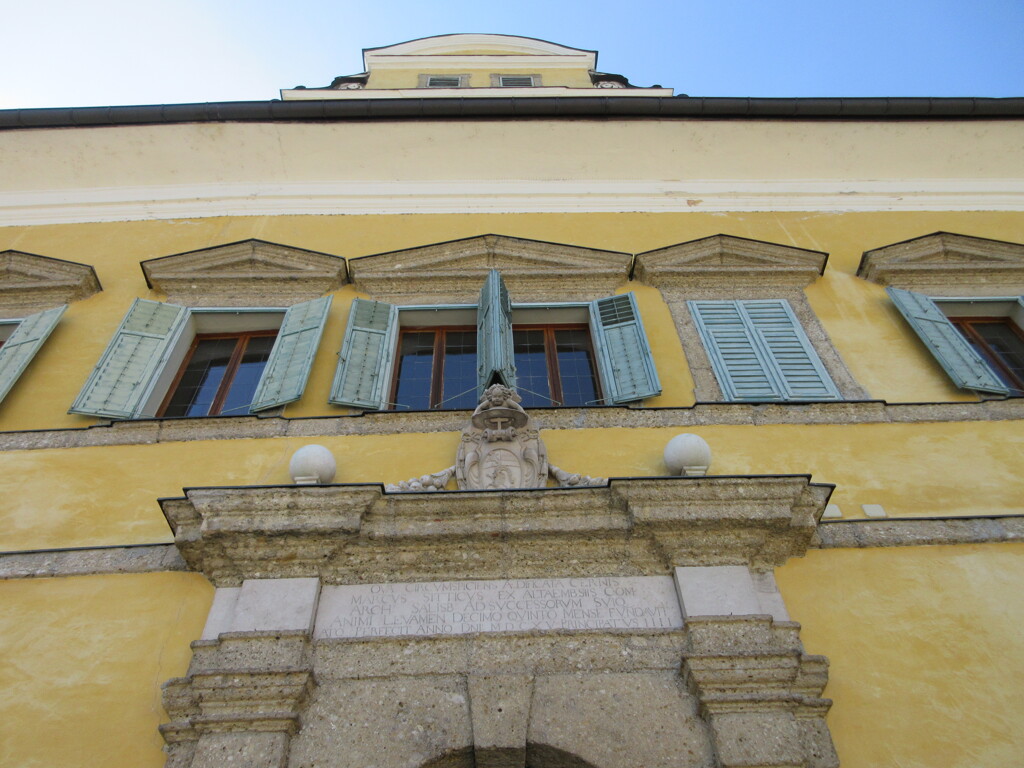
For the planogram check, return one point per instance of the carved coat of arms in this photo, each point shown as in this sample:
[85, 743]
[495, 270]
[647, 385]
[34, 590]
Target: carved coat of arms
[500, 450]
[500, 447]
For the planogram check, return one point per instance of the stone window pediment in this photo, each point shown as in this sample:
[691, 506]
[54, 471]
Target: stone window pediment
[746, 326]
[452, 272]
[725, 261]
[30, 283]
[246, 273]
[944, 262]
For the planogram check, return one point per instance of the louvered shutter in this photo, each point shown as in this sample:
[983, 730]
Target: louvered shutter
[364, 361]
[121, 378]
[495, 352]
[741, 367]
[798, 368]
[759, 351]
[22, 345]
[624, 357]
[965, 367]
[284, 377]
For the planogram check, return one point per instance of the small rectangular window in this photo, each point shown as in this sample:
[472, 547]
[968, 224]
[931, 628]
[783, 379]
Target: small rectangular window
[515, 81]
[444, 81]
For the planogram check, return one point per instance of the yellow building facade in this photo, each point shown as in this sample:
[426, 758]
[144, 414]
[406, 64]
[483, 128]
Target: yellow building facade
[826, 292]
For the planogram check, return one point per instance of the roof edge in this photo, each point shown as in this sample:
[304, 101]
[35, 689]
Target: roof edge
[678, 107]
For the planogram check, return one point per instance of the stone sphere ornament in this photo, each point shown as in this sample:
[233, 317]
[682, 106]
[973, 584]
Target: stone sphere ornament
[688, 455]
[312, 465]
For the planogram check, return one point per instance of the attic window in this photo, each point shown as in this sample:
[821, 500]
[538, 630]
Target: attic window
[444, 81]
[518, 81]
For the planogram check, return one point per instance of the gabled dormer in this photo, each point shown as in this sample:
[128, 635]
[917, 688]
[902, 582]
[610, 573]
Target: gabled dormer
[475, 65]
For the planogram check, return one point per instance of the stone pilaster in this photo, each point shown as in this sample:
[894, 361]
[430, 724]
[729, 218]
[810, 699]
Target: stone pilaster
[759, 692]
[240, 703]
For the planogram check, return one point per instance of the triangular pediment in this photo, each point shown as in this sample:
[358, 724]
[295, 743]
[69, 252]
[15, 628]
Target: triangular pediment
[30, 283]
[946, 259]
[454, 271]
[724, 260]
[246, 273]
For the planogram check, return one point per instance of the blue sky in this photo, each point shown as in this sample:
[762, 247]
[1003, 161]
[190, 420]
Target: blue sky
[69, 53]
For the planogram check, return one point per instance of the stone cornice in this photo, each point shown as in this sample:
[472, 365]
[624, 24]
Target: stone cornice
[151, 431]
[247, 273]
[357, 533]
[831, 534]
[955, 264]
[453, 272]
[30, 283]
[724, 261]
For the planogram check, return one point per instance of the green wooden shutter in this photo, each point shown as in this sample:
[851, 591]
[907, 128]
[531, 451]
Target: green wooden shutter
[797, 366]
[22, 345]
[624, 357]
[364, 361]
[495, 355]
[742, 368]
[288, 366]
[965, 367]
[759, 351]
[121, 378]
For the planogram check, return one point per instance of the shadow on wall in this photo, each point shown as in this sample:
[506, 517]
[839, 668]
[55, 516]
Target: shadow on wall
[537, 756]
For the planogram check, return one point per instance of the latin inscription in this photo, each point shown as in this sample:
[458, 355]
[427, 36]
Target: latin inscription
[514, 605]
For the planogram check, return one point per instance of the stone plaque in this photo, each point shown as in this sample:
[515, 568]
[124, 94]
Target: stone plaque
[512, 605]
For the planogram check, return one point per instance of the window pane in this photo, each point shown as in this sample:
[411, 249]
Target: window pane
[531, 368]
[247, 378]
[1004, 343]
[415, 370]
[201, 379]
[576, 367]
[459, 389]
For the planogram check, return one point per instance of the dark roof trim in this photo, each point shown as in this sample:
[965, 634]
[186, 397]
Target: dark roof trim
[522, 107]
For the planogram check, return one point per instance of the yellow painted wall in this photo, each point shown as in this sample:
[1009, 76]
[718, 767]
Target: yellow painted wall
[879, 349]
[107, 495]
[603, 150]
[926, 651]
[478, 78]
[83, 661]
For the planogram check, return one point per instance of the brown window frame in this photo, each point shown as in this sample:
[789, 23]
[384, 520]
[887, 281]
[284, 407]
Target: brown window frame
[551, 356]
[437, 372]
[966, 327]
[241, 342]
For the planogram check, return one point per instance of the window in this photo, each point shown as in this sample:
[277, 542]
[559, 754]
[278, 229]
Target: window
[515, 81]
[436, 368]
[19, 342]
[1000, 342]
[171, 360]
[443, 81]
[220, 375]
[759, 351]
[438, 357]
[977, 341]
[555, 365]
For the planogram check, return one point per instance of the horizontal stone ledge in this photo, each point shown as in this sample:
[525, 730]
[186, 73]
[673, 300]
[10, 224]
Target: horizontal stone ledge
[145, 558]
[350, 534]
[150, 431]
[911, 532]
[839, 534]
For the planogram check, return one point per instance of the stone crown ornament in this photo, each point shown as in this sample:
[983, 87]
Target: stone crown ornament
[500, 449]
